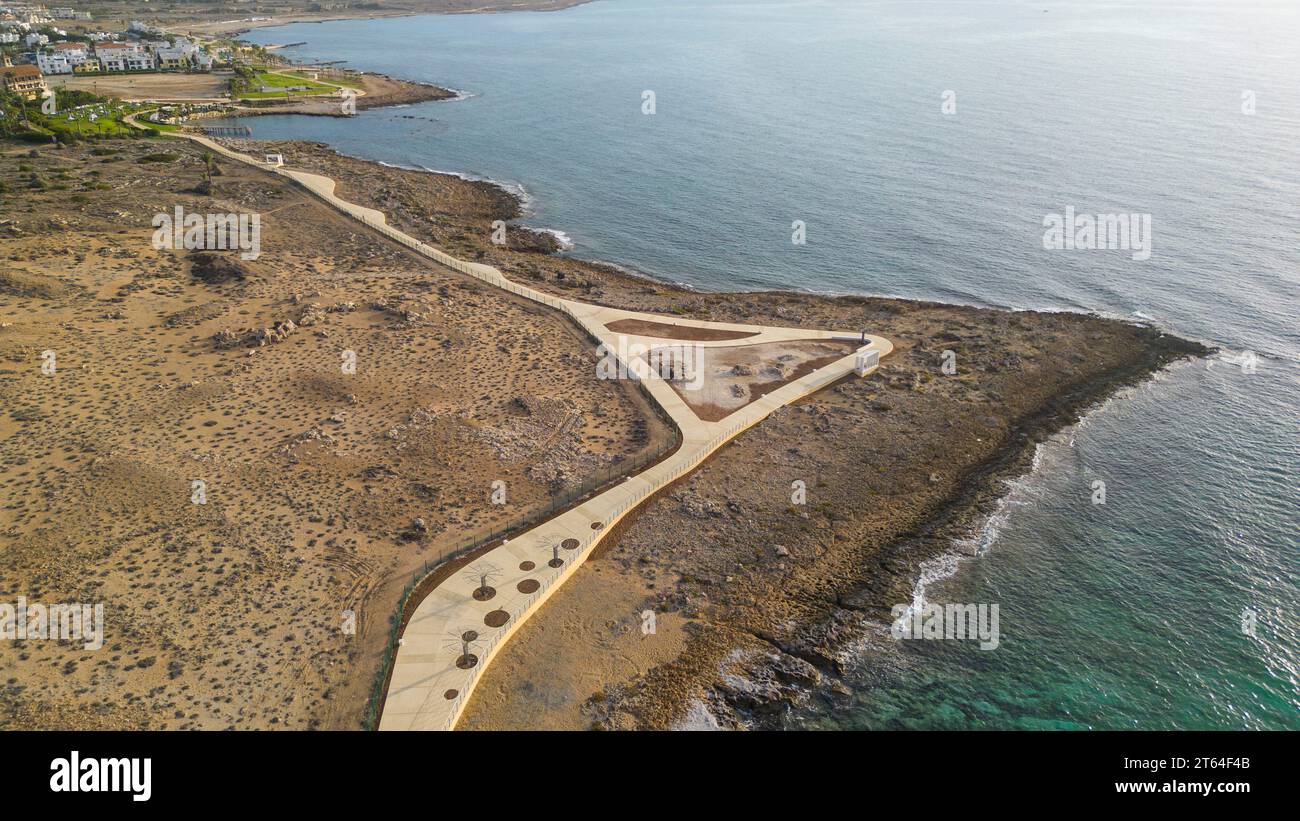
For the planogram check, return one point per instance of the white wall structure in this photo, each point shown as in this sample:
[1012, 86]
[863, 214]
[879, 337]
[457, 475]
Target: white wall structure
[867, 361]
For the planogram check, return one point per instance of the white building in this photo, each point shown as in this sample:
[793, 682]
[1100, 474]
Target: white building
[29, 15]
[8, 37]
[64, 58]
[145, 28]
[182, 54]
[35, 39]
[122, 57]
[75, 52]
[53, 63]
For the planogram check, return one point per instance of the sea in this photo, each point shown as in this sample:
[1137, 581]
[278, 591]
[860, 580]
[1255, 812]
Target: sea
[923, 150]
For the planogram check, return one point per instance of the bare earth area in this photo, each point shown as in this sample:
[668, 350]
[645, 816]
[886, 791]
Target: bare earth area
[323, 490]
[173, 368]
[732, 377]
[668, 330]
[155, 86]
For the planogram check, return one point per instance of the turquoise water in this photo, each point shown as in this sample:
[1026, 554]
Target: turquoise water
[1127, 614]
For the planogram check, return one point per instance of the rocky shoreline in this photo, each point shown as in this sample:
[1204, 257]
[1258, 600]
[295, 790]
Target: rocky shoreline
[763, 672]
[810, 663]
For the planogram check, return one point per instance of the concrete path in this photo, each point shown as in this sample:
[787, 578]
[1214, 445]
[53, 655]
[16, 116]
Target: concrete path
[431, 681]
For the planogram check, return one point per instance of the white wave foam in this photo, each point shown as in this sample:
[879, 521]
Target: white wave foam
[697, 718]
[513, 188]
[625, 268]
[566, 242]
[1021, 491]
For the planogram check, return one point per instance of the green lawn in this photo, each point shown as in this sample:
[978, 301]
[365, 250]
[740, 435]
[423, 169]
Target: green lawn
[73, 120]
[106, 125]
[347, 81]
[274, 80]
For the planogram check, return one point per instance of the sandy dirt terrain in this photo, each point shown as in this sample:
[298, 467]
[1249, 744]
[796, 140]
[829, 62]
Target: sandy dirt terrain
[673, 330]
[323, 491]
[157, 86]
[730, 378]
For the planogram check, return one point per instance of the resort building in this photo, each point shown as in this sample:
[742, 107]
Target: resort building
[74, 53]
[181, 54]
[170, 59]
[61, 58]
[25, 81]
[53, 63]
[122, 57]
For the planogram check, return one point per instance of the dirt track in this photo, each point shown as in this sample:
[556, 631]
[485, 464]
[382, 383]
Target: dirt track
[199, 86]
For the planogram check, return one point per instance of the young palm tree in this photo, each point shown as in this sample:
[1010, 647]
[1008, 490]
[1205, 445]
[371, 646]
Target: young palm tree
[209, 165]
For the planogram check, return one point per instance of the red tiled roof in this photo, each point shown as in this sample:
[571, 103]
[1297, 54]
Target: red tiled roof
[24, 72]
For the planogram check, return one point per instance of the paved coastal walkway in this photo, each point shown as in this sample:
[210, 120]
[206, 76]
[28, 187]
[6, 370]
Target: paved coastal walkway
[433, 676]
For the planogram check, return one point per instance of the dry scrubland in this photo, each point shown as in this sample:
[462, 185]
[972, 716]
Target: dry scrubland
[756, 599]
[228, 614]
